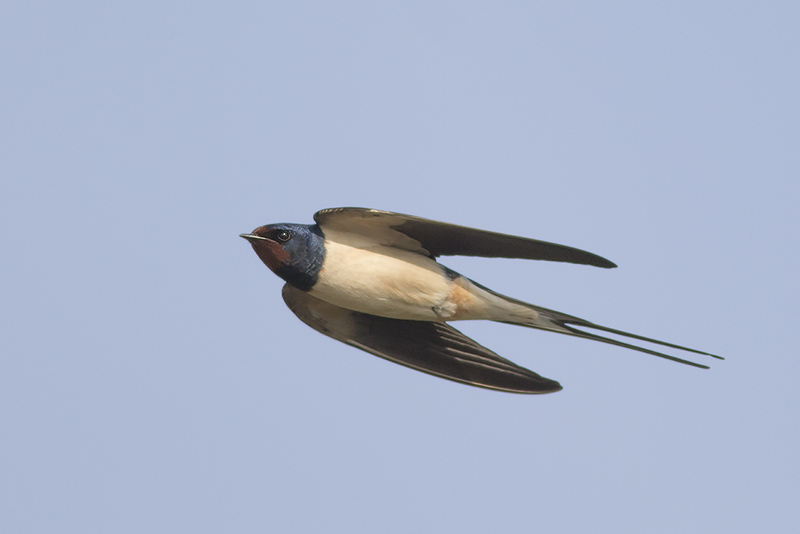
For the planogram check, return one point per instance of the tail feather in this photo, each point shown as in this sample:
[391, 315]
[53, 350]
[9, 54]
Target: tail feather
[554, 321]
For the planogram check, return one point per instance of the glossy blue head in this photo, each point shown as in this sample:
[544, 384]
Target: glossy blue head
[294, 252]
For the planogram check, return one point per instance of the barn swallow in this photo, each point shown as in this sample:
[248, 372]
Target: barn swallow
[370, 278]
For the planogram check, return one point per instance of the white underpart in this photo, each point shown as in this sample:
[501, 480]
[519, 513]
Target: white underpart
[392, 282]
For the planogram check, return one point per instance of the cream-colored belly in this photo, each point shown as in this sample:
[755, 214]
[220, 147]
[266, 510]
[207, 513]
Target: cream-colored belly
[390, 282]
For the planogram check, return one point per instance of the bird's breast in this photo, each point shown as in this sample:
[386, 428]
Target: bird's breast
[388, 282]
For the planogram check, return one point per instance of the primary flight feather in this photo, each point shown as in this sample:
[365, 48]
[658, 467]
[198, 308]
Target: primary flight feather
[370, 278]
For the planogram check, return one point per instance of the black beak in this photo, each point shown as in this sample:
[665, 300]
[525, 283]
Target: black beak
[253, 237]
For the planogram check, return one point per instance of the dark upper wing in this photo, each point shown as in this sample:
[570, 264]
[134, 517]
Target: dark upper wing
[434, 348]
[434, 238]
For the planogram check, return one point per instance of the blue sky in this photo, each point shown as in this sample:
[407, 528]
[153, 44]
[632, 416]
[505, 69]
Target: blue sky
[152, 380]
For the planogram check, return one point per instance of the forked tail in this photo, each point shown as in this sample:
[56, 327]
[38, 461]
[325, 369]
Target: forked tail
[545, 319]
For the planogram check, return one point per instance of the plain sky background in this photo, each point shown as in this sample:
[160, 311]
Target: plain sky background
[152, 380]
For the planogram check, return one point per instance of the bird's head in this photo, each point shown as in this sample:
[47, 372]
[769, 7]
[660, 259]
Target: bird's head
[294, 252]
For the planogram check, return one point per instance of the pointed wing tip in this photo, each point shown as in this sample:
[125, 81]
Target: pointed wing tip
[596, 260]
[588, 258]
[555, 387]
[543, 386]
[539, 389]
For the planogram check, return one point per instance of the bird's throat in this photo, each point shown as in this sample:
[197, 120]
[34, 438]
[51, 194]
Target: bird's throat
[271, 253]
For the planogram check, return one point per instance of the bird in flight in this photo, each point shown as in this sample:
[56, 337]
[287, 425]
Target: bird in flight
[370, 278]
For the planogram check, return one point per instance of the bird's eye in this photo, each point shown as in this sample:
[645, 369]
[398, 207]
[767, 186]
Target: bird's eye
[284, 236]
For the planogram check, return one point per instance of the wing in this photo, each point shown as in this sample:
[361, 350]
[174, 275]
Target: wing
[434, 348]
[433, 238]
